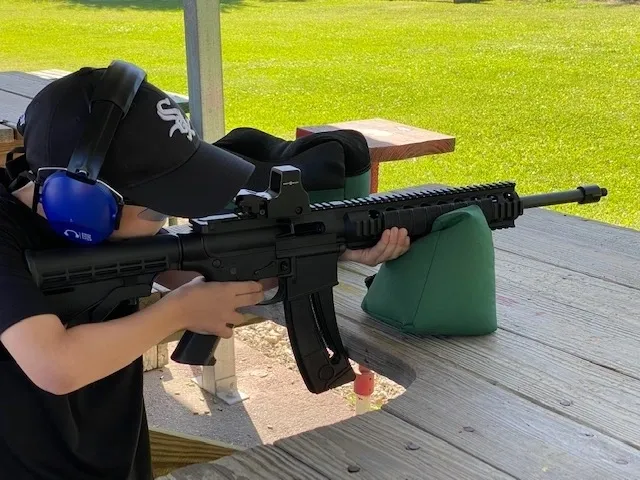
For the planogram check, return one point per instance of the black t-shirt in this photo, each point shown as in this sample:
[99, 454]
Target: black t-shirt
[97, 432]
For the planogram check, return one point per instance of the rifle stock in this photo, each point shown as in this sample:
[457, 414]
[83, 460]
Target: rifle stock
[273, 234]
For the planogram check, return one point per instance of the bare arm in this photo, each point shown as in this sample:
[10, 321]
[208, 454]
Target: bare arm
[172, 279]
[60, 361]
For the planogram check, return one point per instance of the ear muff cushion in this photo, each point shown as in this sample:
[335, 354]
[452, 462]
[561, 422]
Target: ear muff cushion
[82, 212]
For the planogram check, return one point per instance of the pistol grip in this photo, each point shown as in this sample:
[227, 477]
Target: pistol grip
[196, 349]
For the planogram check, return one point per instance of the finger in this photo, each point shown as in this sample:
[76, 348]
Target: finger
[234, 319]
[225, 332]
[391, 246]
[370, 255]
[243, 288]
[401, 245]
[197, 280]
[248, 299]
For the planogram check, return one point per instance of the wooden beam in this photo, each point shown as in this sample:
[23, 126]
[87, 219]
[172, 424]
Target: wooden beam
[170, 450]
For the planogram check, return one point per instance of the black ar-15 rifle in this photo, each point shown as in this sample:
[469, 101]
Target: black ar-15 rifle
[275, 233]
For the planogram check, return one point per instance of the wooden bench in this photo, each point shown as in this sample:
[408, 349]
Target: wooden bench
[389, 141]
[9, 139]
[552, 394]
[171, 450]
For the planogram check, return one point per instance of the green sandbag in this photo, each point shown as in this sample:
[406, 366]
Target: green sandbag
[355, 185]
[444, 284]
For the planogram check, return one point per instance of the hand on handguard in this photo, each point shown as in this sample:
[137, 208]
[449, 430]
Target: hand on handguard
[393, 243]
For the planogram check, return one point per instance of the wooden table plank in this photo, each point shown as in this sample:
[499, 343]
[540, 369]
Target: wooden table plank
[23, 83]
[383, 446]
[6, 134]
[506, 430]
[590, 394]
[28, 84]
[503, 428]
[579, 291]
[376, 444]
[388, 140]
[608, 334]
[546, 225]
[509, 432]
[11, 107]
[265, 462]
[574, 255]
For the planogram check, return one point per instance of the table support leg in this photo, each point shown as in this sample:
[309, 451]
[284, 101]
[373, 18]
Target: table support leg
[374, 176]
[220, 379]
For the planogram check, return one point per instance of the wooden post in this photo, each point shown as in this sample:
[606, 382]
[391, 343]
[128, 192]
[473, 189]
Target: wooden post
[206, 106]
[204, 67]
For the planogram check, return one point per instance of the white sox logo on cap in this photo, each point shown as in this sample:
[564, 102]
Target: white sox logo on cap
[174, 115]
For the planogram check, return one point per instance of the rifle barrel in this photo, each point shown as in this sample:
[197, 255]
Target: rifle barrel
[582, 194]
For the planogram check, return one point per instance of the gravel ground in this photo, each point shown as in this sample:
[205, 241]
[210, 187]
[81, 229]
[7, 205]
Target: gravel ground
[272, 341]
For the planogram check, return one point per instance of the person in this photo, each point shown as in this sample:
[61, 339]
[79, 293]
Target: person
[73, 405]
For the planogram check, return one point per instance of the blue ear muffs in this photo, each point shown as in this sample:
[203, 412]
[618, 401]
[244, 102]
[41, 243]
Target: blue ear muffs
[84, 213]
[77, 204]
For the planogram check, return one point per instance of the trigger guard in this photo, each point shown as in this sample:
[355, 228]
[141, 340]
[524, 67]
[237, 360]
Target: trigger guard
[278, 297]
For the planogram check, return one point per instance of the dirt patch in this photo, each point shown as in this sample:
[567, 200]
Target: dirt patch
[272, 340]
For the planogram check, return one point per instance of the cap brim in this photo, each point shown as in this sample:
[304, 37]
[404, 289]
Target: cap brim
[202, 186]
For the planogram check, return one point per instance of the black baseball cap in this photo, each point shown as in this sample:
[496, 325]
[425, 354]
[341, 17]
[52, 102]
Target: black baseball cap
[156, 159]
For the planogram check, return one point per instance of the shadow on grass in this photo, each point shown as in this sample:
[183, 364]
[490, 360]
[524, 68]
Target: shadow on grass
[159, 5]
[618, 3]
[448, 1]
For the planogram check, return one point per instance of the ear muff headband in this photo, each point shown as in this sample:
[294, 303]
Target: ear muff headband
[76, 203]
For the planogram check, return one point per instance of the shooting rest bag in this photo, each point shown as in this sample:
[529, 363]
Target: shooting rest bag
[444, 284]
[333, 165]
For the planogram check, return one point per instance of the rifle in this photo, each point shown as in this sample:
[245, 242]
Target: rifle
[272, 233]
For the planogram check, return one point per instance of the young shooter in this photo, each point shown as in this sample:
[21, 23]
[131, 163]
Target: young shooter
[72, 398]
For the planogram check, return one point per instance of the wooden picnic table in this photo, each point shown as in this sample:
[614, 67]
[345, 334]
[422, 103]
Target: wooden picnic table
[389, 141]
[554, 393]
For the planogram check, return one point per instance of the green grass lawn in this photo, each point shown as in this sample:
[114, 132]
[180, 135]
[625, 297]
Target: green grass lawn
[543, 93]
